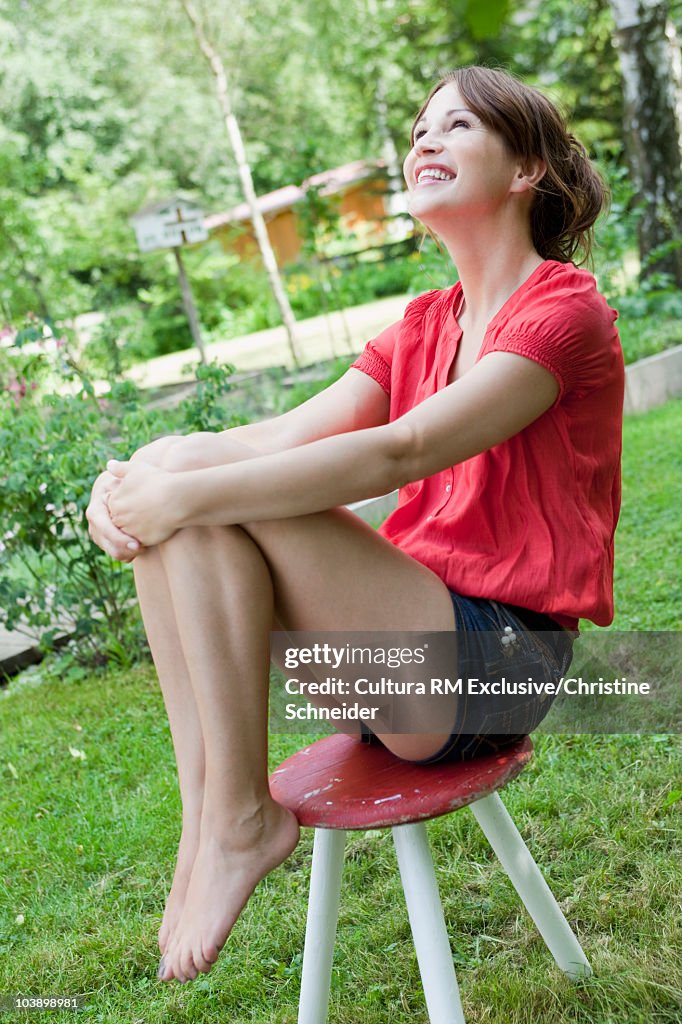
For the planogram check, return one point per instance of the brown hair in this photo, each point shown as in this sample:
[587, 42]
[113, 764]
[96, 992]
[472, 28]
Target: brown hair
[571, 194]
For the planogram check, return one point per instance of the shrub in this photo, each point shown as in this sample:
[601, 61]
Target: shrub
[650, 307]
[55, 437]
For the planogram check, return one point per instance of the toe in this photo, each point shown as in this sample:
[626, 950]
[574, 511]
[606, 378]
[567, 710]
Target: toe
[209, 952]
[170, 963]
[200, 959]
[186, 964]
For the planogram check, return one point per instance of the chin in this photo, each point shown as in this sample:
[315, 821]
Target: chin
[430, 216]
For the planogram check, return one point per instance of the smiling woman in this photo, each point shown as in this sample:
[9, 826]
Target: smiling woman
[568, 192]
[494, 405]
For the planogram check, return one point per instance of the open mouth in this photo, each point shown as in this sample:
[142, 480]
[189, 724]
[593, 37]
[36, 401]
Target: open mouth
[434, 175]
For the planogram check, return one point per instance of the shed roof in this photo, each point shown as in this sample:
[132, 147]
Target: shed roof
[329, 182]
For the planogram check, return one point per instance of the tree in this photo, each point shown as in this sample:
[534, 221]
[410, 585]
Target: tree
[104, 109]
[648, 48]
[236, 141]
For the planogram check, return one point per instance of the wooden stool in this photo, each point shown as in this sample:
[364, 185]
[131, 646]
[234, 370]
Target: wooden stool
[339, 783]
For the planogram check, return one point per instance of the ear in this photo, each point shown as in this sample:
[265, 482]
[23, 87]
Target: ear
[528, 175]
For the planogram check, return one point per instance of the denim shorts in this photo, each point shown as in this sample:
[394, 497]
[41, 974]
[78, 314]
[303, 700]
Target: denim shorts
[496, 640]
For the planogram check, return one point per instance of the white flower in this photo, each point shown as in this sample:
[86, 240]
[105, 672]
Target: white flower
[42, 488]
[50, 507]
[19, 919]
[78, 754]
[10, 535]
[2, 546]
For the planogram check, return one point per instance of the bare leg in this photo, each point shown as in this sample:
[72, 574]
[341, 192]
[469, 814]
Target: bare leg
[161, 628]
[328, 571]
[222, 598]
[162, 633]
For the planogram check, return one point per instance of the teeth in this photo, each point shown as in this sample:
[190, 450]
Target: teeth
[434, 172]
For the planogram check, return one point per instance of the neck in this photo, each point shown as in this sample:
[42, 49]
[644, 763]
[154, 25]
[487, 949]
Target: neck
[491, 265]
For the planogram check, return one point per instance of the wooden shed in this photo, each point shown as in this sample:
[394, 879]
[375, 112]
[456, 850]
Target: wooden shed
[362, 191]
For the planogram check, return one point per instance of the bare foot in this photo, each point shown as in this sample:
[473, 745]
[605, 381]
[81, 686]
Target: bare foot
[187, 851]
[228, 866]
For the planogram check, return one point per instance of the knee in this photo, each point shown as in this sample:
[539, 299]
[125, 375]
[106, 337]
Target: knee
[210, 547]
[189, 454]
[195, 536]
[157, 451]
[203, 449]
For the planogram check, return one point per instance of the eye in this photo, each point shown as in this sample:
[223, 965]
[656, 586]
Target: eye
[418, 133]
[462, 122]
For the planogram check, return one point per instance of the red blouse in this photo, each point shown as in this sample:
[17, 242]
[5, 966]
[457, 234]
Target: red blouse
[530, 521]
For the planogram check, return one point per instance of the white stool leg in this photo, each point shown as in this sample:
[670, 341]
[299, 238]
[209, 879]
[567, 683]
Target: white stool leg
[428, 926]
[506, 841]
[320, 932]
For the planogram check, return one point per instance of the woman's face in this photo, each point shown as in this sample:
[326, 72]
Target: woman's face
[457, 165]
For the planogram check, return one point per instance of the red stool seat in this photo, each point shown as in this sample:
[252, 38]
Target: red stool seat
[339, 782]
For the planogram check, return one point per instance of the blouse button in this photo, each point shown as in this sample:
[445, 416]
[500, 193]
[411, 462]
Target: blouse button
[448, 487]
[429, 517]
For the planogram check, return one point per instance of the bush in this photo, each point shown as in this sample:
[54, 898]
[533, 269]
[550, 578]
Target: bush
[54, 440]
[350, 281]
[650, 308]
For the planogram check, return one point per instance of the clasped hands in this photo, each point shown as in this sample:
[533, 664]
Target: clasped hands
[133, 505]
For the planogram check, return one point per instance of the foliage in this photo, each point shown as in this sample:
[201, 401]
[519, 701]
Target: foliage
[650, 310]
[104, 108]
[650, 318]
[308, 387]
[373, 274]
[56, 434]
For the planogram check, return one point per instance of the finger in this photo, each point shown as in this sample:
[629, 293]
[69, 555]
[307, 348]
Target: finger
[108, 520]
[119, 555]
[117, 469]
[111, 538]
[110, 482]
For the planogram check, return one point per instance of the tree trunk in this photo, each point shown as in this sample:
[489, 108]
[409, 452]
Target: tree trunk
[235, 137]
[648, 50]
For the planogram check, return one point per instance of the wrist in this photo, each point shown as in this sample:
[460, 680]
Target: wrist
[182, 498]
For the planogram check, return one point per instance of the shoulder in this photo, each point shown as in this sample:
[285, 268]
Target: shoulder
[561, 320]
[561, 294]
[431, 305]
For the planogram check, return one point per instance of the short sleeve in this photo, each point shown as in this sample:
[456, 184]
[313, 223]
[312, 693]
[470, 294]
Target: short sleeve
[565, 325]
[377, 356]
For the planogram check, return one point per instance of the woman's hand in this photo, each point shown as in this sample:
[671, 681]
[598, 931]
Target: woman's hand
[144, 501]
[114, 542]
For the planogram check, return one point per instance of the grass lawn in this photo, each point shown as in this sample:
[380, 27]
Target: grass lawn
[89, 819]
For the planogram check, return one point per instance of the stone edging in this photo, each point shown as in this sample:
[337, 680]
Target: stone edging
[653, 380]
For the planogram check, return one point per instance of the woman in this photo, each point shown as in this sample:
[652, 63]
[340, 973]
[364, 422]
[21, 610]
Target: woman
[494, 405]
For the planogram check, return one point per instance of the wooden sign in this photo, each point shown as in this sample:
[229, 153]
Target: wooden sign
[169, 225]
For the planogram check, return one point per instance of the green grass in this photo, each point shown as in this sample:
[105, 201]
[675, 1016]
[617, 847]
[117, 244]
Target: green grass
[87, 846]
[648, 557]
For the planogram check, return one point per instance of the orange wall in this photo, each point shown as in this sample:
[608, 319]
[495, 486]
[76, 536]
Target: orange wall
[361, 205]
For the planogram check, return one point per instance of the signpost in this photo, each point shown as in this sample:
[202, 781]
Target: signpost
[170, 225]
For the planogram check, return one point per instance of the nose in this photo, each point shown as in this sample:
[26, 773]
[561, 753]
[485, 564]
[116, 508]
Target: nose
[429, 142]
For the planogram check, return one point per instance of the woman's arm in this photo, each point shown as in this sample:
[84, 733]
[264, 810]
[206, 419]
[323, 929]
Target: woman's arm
[353, 402]
[498, 397]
